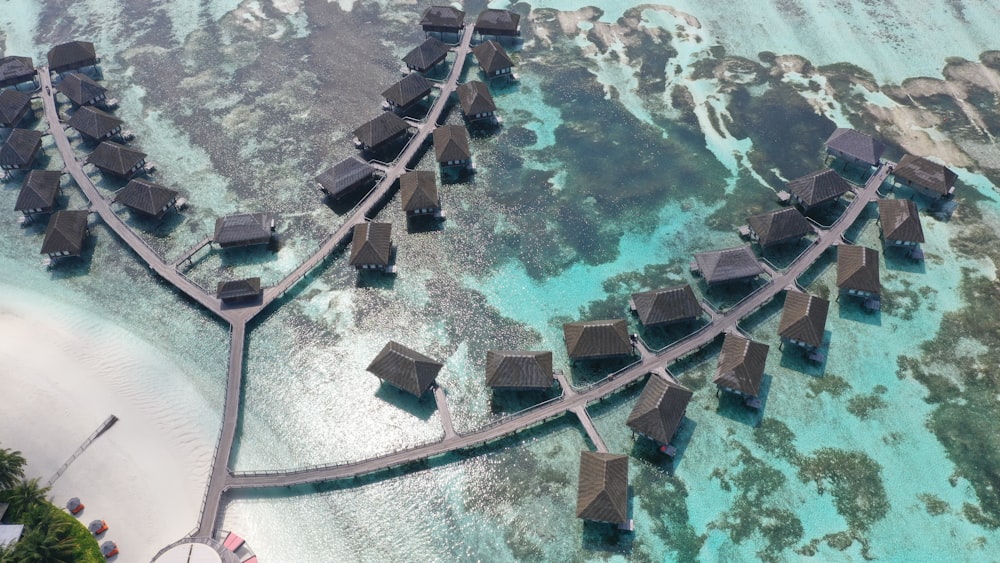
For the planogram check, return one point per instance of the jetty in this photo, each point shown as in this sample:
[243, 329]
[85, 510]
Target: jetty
[108, 423]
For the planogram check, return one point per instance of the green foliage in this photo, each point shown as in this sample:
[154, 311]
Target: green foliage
[11, 468]
[22, 497]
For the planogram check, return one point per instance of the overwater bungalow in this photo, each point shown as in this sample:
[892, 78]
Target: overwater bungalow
[71, 56]
[477, 102]
[602, 491]
[493, 59]
[900, 223]
[146, 198]
[244, 229]
[659, 411]
[117, 160]
[426, 56]
[594, 340]
[371, 246]
[20, 149]
[405, 369]
[65, 234]
[858, 274]
[854, 147]
[443, 19]
[666, 306]
[16, 70]
[407, 92]
[818, 188]
[14, 105]
[379, 131]
[727, 265]
[498, 23]
[38, 192]
[418, 193]
[741, 367]
[519, 371]
[803, 320]
[451, 146]
[81, 90]
[95, 125]
[239, 291]
[778, 227]
[925, 177]
[345, 177]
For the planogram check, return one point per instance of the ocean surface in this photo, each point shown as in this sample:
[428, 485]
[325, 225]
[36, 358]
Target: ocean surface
[637, 135]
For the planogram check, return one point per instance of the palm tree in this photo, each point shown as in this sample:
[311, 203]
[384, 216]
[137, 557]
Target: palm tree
[47, 540]
[11, 468]
[22, 497]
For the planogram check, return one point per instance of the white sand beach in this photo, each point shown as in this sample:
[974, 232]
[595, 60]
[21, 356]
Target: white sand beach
[63, 373]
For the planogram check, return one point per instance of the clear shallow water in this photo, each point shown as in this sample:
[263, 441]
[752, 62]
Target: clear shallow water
[600, 184]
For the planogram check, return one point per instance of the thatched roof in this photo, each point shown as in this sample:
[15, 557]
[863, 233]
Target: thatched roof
[425, 56]
[39, 190]
[803, 318]
[72, 55]
[518, 370]
[405, 369]
[146, 197]
[442, 18]
[741, 364]
[116, 159]
[66, 232]
[819, 187]
[857, 269]
[660, 408]
[371, 244]
[597, 339]
[14, 105]
[94, 123]
[15, 70]
[411, 89]
[855, 144]
[779, 226]
[728, 264]
[451, 142]
[236, 290]
[21, 148]
[900, 220]
[382, 129]
[419, 190]
[345, 176]
[497, 22]
[492, 57]
[669, 305]
[244, 229]
[81, 89]
[925, 173]
[475, 98]
[602, 492]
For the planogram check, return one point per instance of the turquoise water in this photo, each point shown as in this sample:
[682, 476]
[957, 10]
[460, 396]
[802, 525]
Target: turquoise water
[630, 143]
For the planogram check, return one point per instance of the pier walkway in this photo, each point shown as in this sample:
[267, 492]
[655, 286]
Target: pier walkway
[442, 405]
[588, 425]
[108, 423]
[191, 251]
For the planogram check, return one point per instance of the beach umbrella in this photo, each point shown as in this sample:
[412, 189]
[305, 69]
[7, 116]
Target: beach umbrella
[109, 548]
[98, 527]
[74, 505]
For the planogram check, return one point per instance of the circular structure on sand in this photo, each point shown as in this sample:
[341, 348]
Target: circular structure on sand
[190, 553]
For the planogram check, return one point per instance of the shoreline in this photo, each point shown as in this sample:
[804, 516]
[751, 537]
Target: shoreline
[65, 373]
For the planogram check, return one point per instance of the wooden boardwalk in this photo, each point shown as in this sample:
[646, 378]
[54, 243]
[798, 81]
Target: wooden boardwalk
[108, 423]
[191, 251]
[588, 425]
[445, 412]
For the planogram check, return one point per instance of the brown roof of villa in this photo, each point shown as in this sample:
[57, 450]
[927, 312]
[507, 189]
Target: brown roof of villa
[668, 305]
[602, 491]
[94, 123]
[779, 226]
[497, 22]
[728, 264]
[39, 190]
[426, 55]
[741, 364]
[597, 339]
[14, 105]
[518, 370]
[371, 244]
[818, 187]
[660, 408]
[146, 197]
[244, 229]
[857, 269]
[492, 57]
[900, 220]
[411, 89]
[81, 89]
[442, 18]
[405, 368]
[382, 129]
[15, 70]
[116, 159]
[66, 232]
[72, 55]
[451, 142]
[419, 190]
[21, 148]
[235, 290]
[856, 144]
[345, 176]
[475, 98]
[803, 318]
[926, 173]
